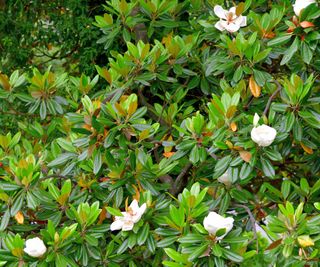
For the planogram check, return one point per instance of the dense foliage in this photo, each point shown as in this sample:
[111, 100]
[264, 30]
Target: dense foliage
[196, 142]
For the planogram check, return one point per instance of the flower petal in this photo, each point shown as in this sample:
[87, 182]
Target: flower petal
[244, 21]
[220, 12]
[219, 25]
[116, 225]
[143, 208]
[134, 205]
[127, 226]
[241, 21]
[232, 27]
[232, 10]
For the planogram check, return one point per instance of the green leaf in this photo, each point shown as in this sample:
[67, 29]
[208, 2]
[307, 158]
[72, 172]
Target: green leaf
[176, 256]
[97, 163]
[288, 54]
[66, 145]
[61, 159]
[5, 221]
[306, 53]
[221, 166]
[166, 242]
[197, 252]
[143, 234]
[191, 238]
[43, 110]
[232, 255]
[267, 168]
[114, 212]
[262, 55]
[280, 40]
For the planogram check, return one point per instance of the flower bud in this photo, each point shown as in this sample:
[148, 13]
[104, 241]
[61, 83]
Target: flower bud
[263, 135]
[35, 247]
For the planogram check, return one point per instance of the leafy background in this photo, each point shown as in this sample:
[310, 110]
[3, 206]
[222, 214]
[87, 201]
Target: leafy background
[104, 102]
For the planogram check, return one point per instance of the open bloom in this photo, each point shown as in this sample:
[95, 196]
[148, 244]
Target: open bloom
[301, 4]
[214, 222]
[129, 218]
[263, 135]
[35, 247]
[229, 20]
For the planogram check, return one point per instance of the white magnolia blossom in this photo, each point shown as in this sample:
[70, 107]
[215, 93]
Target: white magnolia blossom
[214, 222]
[225, 179]
[35, 247]
[129, 218]
[229, 20]
[263, 135]
[256, 119]
[301, 4]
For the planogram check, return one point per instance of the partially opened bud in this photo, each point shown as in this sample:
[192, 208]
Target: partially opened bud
[35, 247]
[256, 119]
[214, 222]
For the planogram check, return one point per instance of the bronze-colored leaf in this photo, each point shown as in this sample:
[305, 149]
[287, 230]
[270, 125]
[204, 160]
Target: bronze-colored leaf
[4, 82]
[239, 8]
[233, 126]
[245, 155]
[254, 87]
[19, 217]
[306, 24]
[231, 111]
[274, 244]
[307, 149]
[168, 154]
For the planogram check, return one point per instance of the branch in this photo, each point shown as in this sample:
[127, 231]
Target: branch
[246, 107]
[265, 112]
[150, 108]
[109, 97]
[180, 182]
[252, 221]
[213, 155]
[18, 113]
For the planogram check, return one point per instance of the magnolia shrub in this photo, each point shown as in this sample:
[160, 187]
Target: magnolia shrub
[161, 158]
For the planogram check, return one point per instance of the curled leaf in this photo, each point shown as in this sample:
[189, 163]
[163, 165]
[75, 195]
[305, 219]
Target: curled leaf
[254, 87]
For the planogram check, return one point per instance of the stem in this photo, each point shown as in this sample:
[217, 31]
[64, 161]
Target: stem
[252, 221]
[179, 183]
[265, 112]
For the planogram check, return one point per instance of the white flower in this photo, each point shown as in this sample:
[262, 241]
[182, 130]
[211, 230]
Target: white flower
[214, 222]
[229, 20]
[129, 218]
[263, 135]
[35, 247]
[301, 4]
[256, 119]
[225, 179]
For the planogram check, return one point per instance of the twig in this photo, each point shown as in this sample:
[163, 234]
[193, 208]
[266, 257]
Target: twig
[150, 108]
[252, 221]
[213, 155]
[246, 107]
[179, 183]
[265, 112]
[109, 97]
[18, 113]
